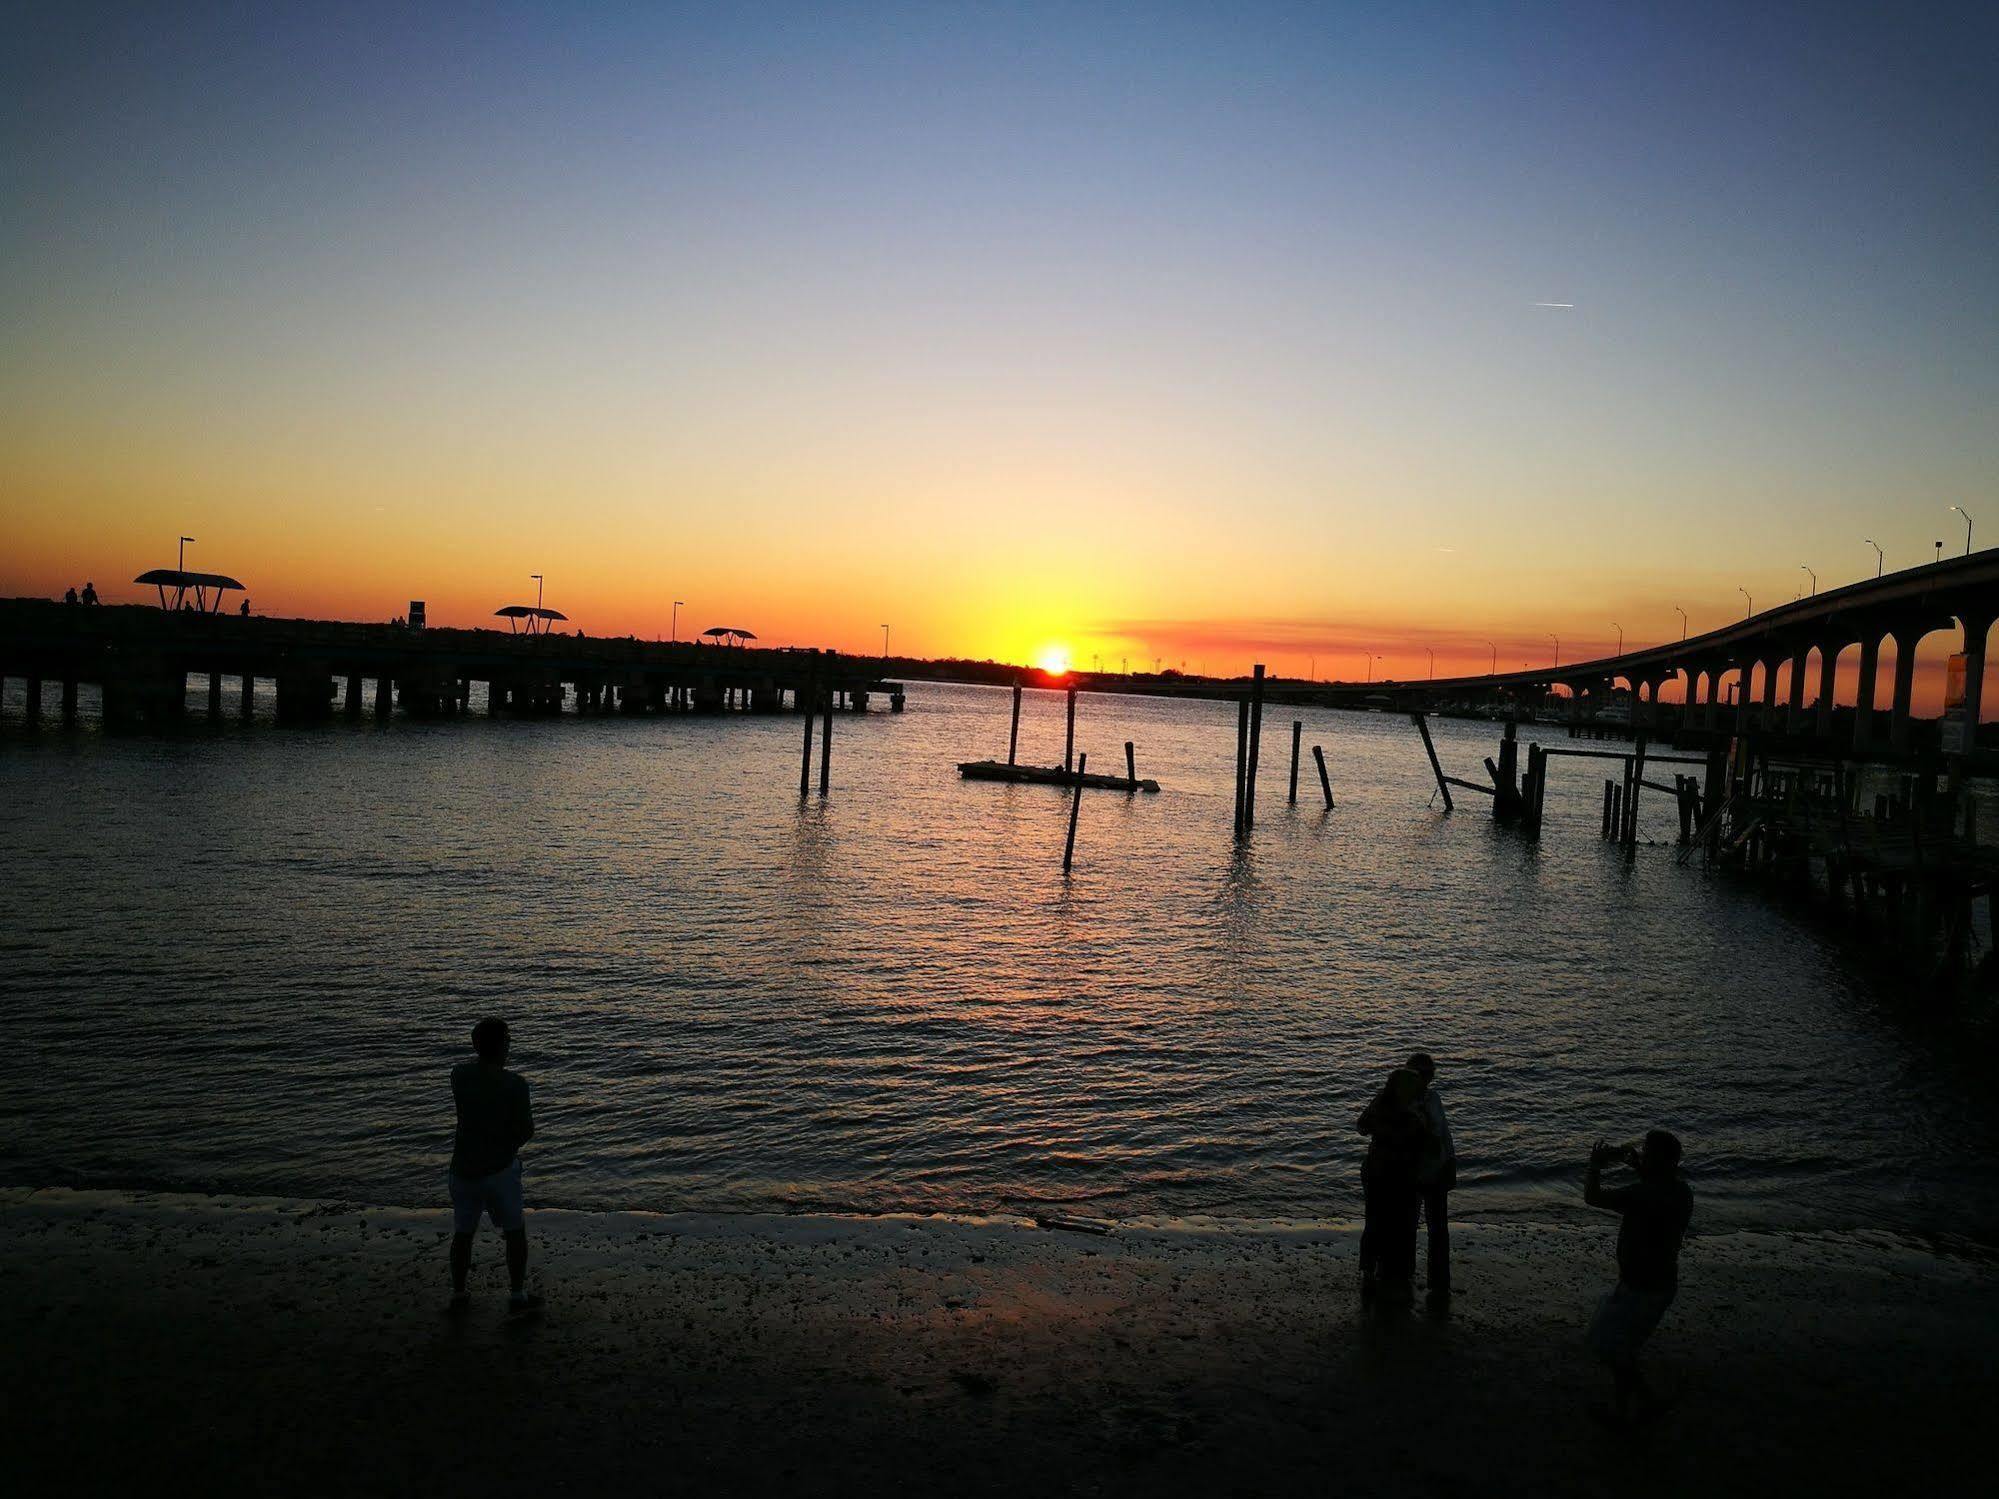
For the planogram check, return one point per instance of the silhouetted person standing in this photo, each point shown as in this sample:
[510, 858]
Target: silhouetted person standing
[89, 593]
[1656, 1210]
[494, 1122]
[1398, 1139]
[1435, 1178]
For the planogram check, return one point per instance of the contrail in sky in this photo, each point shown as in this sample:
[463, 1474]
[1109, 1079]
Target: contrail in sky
[1554, 304]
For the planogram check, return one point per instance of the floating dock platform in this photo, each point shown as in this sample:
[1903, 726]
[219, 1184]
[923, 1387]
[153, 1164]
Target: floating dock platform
[1049, 775]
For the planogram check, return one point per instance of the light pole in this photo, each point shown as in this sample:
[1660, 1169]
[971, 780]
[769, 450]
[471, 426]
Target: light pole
[182, 564]
[1370, 667]
[1752, 603]
[675, 635]
[537, 603]
[1620, 636]
[1814, 577]
[884, 642]
[1939, 547]
[1683, 620]
[1433, 662]
[1879, 555]
[1967, 527]
[1558, 647]
[1495, 659]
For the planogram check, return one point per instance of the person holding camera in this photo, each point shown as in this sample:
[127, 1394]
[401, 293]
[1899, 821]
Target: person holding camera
[1655, 1210]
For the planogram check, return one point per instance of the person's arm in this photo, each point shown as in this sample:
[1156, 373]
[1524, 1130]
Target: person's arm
[1365, 1124]
[524, 1126]
[1594, 1192]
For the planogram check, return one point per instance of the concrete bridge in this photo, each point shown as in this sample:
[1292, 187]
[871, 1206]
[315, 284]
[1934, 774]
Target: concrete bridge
[1800, 643]
[142, 657]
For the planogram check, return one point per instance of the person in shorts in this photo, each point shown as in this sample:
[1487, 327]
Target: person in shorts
[1656, 1210]
[494, 1122]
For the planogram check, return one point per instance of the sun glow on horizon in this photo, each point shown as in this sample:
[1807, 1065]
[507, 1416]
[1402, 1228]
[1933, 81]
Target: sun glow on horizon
[1054, 660]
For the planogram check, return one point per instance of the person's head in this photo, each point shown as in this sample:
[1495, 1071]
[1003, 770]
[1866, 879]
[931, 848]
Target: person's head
[1660, 1154]
[1403, 1088]
[1424, 1067]
[489, 1039]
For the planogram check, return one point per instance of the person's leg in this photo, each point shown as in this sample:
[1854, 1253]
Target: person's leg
[461, 1262]
[1437, 1217]
[517, 1258]
[466, 1206]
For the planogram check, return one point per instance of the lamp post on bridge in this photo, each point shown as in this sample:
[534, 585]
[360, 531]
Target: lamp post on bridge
[1967, 527]
[1558, 647]
[182, 563]
[1495, 659]
[1683, 620]
[884, 642]
[1879, 555]
[1814, 577]
[674, 634]
[1752, 603]
[1433, 662]
[1620, 636]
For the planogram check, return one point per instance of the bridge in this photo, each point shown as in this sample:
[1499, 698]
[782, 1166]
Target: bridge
[1752, 655]
[142, 658]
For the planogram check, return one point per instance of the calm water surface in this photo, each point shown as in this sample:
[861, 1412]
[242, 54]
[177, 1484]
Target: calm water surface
[245, 961]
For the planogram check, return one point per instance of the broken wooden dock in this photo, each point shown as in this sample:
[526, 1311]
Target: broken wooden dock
[1050, 775]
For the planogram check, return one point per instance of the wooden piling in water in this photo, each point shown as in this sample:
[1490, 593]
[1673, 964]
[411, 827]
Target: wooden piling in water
[1075, 809]
[33, 702]
[1241, 756]
[1130, 765]
[805, 708]
[1325, 781]
[1436, 766]
[69, 702]
[826, 749]
[1297, 729]
[1013, 734]
[1069, 739]
[1255, 750]
[385, 698]
[249, 697]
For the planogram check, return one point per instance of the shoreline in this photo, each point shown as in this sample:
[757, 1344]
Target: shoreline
[285, 1343]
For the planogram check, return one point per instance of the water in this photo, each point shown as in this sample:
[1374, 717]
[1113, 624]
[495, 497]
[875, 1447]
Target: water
[244, 962]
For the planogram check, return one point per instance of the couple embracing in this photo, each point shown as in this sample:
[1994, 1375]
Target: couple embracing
[1410, 1168]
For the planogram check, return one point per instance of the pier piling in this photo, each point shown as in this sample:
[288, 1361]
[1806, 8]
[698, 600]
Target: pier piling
[1255, 750]
[1436, 767]
[1241, 756]
[1130, 765]
[1075, 810]
[806, 700]
[1297, 729]
[1325, 781]
[1069, 738]
[33, 703]
[1013, 734]
[69, 702]
[826, 748]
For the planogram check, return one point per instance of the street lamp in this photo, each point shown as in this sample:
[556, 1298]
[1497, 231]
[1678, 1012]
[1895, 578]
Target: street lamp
[537, 603]
[1433, 662]
[1558, 647]
[1967, 527]
[1620, 636]
[884, 642]
[1683, 620]
[1879, 555]
[1370, 667]
[183, 552]
[1814, 577]
[1752, 603]
[1495, 659]
[1939, 547]
[675, 635]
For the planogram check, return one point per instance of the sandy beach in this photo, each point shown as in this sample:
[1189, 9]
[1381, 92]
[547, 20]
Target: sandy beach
[260, 1345]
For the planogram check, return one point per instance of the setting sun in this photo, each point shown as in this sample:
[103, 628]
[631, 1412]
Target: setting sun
[1054, 660]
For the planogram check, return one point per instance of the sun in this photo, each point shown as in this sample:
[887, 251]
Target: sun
[1054, 660]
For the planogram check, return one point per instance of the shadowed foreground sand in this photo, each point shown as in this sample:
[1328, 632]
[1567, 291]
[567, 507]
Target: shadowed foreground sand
[262, 1345]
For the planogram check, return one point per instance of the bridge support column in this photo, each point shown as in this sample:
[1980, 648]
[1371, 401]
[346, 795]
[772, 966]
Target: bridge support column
[33, 703]
[69, 702]
[1828, 676]
[215, 698]
[1863, 694]
[385, 699]
[352, 704]
[1905, 683]
[1794, 717]
[1976, 630]
[1744, 708]
[248, 708]
[1767, 719]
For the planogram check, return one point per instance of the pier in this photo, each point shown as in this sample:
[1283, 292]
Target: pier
[141, 659]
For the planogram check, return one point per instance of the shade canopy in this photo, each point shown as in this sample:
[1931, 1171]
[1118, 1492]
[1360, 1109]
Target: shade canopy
[529, 611]
[728, 632]
[173, 577]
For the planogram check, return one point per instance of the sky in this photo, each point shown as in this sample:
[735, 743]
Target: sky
[1191, 334]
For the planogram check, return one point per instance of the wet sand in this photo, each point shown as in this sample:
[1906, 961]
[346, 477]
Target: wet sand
[257, 1345]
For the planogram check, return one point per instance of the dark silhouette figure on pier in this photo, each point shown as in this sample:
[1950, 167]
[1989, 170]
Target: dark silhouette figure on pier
[1435, 1177]
[89, 593]
[494, 1121]
[70, 596]
[244, 610]
[1399, 1139]
[1656, 1210]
